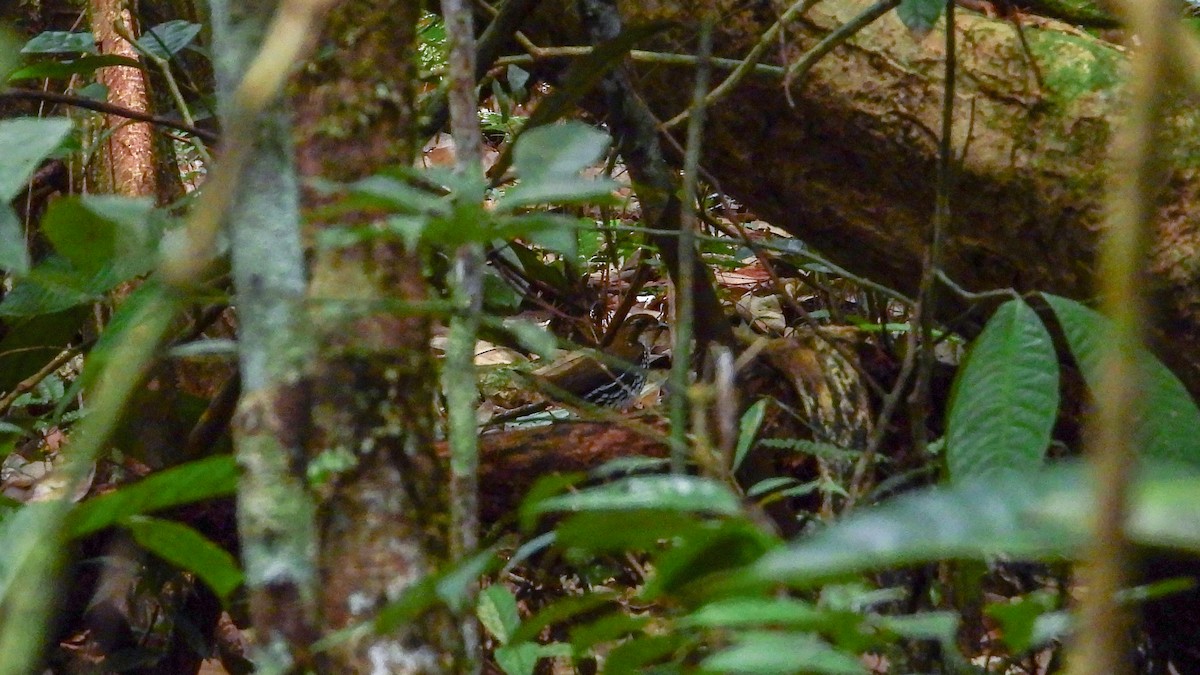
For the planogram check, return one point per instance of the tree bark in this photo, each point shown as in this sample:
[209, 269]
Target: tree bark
[848, 165]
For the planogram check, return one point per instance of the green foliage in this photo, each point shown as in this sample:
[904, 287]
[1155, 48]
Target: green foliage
[1167, 419]
[920, 16]
[1005, 397]
[60, 42]
[188, 550]
[167, 39]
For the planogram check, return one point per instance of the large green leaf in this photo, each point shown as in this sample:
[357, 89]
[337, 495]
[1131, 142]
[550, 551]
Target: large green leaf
[23, 534]
[167, 39]
[668, 493]
[14, 259]
[1005, 397]
[92, 231]
[24, 143]
[185, 484]
[85, 65]
[1041, 516]
[60, 42]
[1168, 421]
[189, 550]
[55, 285]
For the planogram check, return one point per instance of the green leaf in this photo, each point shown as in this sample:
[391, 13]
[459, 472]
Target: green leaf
[92, 231]
[60, 42]
[189, 550]
[973, 519]
[741, 612]
[920, 16]
[167, 39]
[747, 430]
[557, 151]
[1018, 618]
[1036, 517]
[518, 659]
[54, 286]
[14, 259]
[497, 611]
[768, 653]
[1005, 397]
[24, 143]
[668, 493]
[557, 190]
[391, 193]
[85, 65]
[632, 655]
[22, 533]
[184, 484]
[1168, 421]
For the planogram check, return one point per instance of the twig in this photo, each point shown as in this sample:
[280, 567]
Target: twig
[106, 108]
[798, 71]
[28, 384]
[747, 65]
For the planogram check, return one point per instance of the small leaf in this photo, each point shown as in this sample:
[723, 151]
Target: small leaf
[497, 611]
[54, 286]
[747, 429]
[1167, 421]
[1005, 397]
[518, 659]
[189, 550]
[184, 484]
[24, 143]
[167, 39]
[14, 258]
[920, 16]
[60, 42]
[668, 493]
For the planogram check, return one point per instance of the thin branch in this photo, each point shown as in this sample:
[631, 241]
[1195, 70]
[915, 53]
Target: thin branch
[106, 108]
[798, 71]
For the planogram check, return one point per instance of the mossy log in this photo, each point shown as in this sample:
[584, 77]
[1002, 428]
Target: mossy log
[846, 159]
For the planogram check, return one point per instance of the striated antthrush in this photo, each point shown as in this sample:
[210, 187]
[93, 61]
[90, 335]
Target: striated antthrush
[612, 377]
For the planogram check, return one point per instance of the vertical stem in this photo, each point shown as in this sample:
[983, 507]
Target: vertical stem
[459, 374]
[681, 361]
[1102, 643]
[919, 400]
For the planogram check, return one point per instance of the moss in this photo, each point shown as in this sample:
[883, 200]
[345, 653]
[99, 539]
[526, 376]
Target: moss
[1074, 66]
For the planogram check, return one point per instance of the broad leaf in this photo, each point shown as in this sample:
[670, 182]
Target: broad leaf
[14, 259]
[55, 285]
[60, 42]
[185, 484]
[24, 143]
[167, 39]
[1168, 421]
[497, 611]
[189, 550]
[558, 150]
[93, 231]
[1005, 397]
[1041, 516]
[85, 65]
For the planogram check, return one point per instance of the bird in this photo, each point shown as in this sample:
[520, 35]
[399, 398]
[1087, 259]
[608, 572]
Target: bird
[611, 377]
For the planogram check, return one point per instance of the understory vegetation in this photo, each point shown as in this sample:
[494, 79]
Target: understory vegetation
[370, 337]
